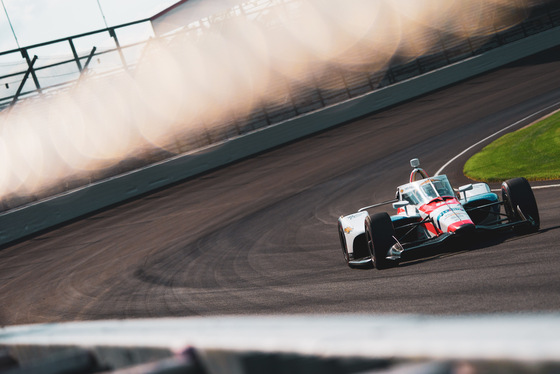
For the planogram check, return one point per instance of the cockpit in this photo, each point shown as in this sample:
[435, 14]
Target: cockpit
[426, 190]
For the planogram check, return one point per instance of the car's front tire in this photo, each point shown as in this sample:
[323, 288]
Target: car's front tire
[379, 236]
[517, 193]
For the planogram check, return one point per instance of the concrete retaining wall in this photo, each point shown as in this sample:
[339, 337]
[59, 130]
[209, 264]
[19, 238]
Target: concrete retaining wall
[36, 217]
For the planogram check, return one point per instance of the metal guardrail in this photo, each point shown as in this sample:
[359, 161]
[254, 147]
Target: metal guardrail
[48, 77]
[545, 15]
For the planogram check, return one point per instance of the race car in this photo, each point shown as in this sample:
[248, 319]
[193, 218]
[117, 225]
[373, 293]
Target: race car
[428, 212]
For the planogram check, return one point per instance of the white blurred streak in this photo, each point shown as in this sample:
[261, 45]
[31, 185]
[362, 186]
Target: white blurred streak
[195, 83]
[5, 167]
[249, 63]
[67, 131]
[162, 87]
[367, 33]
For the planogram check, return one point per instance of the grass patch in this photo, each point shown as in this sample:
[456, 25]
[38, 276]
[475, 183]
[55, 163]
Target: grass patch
[532, 152]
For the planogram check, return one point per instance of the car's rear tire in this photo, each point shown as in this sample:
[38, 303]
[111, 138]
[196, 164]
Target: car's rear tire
[379, 236]
[517, 193]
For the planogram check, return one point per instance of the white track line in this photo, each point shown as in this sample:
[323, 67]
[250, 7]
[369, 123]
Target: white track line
[496, 133]
[535, 187]
[549, 186]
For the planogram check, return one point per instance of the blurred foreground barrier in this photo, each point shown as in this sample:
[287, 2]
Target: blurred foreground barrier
[41, 215]
[498, 343]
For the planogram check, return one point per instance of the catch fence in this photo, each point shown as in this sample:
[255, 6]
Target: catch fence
[48, 68]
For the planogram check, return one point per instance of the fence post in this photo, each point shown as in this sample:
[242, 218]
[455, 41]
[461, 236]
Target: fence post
[30, 69]
[76, 57]
[91, 54]
[114, 36]
[84, 69]
[441, 42]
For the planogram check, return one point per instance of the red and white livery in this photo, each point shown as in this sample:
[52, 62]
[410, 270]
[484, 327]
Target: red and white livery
[430, 211]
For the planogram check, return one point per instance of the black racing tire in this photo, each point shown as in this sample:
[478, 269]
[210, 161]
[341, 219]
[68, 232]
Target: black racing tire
[379, 236]
[517, 192]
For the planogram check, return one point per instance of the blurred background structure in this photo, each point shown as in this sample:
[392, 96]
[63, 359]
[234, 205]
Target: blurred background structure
[91, 106]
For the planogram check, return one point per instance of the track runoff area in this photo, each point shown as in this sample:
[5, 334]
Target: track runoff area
[533, 117]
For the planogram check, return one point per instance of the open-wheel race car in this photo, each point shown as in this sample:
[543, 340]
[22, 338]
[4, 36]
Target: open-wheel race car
[430, 211]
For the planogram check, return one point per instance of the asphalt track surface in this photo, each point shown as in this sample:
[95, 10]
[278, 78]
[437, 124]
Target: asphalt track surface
[260, 237]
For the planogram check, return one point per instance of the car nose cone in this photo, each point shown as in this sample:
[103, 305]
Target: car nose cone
[465, 229]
